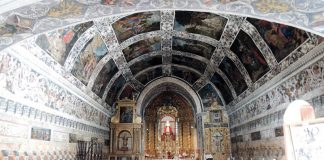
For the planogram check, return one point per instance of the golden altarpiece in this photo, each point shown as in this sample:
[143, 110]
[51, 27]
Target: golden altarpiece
[216, 133]
[125, 132]
[169, 133]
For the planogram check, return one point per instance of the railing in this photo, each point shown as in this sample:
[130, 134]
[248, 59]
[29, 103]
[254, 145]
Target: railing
[89, 150]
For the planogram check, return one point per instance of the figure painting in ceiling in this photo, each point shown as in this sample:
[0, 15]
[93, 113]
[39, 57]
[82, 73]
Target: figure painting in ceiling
[281, 39]
[193, 46]
[86, 62]
[59, 43]
[250, 56]
[136, 24]
[150, 75]
[114, 90]
[207, 24]
[129, 92]
[209, 96]
[103, 78]
[189, 62]
[185, 74]
[219, 82]
[148, 62]
[15, 24]
[141, 47]
[234, 75]
[67, 9]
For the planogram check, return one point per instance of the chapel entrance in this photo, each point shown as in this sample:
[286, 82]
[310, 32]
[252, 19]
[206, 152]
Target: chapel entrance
[170, 130]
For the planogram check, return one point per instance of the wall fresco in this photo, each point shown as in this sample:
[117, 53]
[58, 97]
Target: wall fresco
[88, 59]
[219, 82]
[185, 74]
[234, 75]
[250, 56]
[281, 39]
[150, 75]
[40, 134]
[21, 81]
[59, 43]
[305, 81]
[194, 63]
[141, 47]
[193, 46]
[207, 24]
[148, 62]
[129, 92]
[209, 95]
[104, 76]
[136, 24]
[114, 90]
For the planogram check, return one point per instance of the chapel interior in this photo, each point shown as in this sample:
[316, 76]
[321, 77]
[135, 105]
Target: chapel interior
[161, 79]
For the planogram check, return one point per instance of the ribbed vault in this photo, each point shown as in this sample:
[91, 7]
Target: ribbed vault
[222, 57]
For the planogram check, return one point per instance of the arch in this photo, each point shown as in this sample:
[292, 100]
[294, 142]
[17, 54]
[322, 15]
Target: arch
[297, 112]
[149, 89]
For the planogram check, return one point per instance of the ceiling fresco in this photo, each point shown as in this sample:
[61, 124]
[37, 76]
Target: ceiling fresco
[186, 74]
[250, 56]
[141, 47]
[192, 46]
[281, 39]
[223, 57]
[148, 62]
[60, 42]
[84, 65]
[209, 95]
[102, 80]
[234, 75]
[136, 24]
[223, 88]
[149, 75]
[207, 24]
[189, 62]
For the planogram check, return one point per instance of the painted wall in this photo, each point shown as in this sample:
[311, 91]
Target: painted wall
[256, 127]
[40, 117]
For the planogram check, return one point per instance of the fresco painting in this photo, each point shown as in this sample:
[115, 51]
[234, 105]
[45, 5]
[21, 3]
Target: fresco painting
[189, 62]
[126, 115]
[59, 43]
[103, 78]
[136, 24]
[150, 75]
[207, 24]
[185, 74]
[40, 134]
[114, 90]
[15, 24]
[209, 95]
[193, 46]
[250, 56]
[141, 47]
[66, 9]
[19, 80]
[221, 85]
[234, 75]
[281, 39]
[129, 92]
[89, 57]
[148, 62]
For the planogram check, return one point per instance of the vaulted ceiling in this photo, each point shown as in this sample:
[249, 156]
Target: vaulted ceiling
[223, 57]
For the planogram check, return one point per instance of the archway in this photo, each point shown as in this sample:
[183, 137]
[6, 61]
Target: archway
[170, 127]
